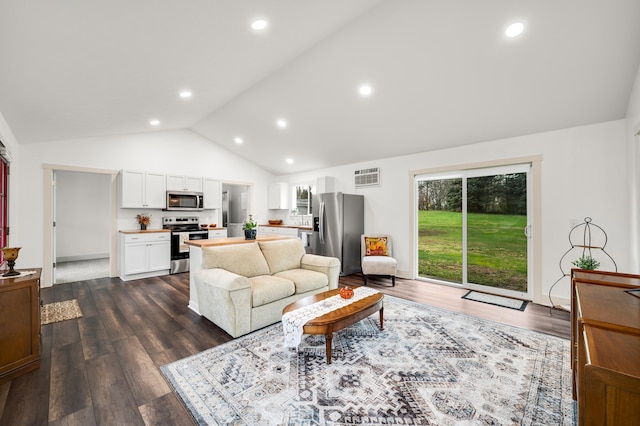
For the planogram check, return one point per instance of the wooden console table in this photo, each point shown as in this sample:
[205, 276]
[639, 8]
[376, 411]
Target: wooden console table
[19, 325]
[605, 347]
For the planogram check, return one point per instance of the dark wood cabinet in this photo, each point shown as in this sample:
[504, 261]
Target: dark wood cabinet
[19, 325]
[605, 337]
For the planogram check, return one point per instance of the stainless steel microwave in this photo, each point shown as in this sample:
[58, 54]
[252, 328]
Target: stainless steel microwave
[185, 201]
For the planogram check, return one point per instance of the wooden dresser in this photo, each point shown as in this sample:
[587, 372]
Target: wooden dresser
[605, 350]
[19, 325]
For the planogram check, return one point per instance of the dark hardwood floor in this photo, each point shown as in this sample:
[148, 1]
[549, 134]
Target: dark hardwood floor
[103, 368]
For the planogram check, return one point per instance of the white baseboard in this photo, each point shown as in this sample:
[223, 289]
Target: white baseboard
[62, 259]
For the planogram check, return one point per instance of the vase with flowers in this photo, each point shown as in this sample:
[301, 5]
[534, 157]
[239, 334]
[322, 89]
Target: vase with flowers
[143, 220]
[250, 230]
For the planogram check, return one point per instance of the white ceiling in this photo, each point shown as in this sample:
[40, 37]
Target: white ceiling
[443, 72]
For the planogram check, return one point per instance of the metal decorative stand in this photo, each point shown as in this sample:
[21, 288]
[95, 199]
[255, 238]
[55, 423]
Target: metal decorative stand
[586, 247]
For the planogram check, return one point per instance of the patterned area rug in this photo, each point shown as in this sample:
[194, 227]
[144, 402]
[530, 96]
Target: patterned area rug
[59, 311]
[428, 367]
[492, 299]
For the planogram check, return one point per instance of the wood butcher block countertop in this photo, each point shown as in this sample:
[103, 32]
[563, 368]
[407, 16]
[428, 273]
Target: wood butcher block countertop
[146, 231]
[307, 227]
[235, 240]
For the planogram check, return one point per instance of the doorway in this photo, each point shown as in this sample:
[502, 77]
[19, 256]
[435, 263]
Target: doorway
[235, 207]
[49, 212]
[81, 217]
[473, 229]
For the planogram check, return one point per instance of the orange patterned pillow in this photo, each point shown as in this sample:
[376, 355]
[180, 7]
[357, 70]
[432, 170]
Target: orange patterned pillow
[376, 246]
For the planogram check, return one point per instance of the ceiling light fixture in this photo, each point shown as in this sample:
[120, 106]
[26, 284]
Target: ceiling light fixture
[154, 122]
[289, 160]
[281, 123]
[259, 24]
[238, 140]
[185, 94]
[365, 90]
[514, 29]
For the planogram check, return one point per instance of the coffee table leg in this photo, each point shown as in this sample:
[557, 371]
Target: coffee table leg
[328, 339]
[381, 318]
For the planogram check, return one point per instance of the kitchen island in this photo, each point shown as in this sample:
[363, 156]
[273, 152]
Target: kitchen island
[195, 256]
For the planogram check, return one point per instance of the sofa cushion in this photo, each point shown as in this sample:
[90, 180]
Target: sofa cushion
[267, 288]
[282, 254]
[242, 259]
[304, 279]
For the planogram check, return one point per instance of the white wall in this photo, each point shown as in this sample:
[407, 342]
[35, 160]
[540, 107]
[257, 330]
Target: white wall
[633, 165]
[583, 174]
[83, 215]
[181, 152]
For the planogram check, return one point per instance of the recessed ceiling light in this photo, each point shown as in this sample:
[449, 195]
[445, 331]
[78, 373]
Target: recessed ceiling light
[514, 29]
[238, 140]
[259, 24]
[289, 160]
[281, 123]
[185, 94]
[154, 122]
[365, 90]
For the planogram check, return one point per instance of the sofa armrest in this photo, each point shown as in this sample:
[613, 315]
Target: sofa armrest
[225, 299]
[330, 266]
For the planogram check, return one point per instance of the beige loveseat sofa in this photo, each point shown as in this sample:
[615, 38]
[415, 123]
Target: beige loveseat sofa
[244, 287]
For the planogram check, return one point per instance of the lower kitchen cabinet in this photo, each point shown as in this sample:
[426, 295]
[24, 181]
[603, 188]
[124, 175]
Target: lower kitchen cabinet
[19, 325]
[277, 230]
[217, 233]
[144, 254]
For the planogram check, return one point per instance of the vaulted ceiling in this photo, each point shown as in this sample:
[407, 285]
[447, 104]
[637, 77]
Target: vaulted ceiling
[442, 72]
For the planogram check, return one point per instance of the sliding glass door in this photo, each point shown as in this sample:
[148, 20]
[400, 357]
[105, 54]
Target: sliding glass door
[473, 229]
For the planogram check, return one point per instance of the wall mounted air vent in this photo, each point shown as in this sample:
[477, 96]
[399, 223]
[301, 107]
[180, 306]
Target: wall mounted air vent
[367, 177]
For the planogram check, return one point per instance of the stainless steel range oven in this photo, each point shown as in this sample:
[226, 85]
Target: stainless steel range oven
[183, 228]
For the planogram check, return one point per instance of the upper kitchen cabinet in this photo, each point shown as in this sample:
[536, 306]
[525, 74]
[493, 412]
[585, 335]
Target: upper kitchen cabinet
[184, 183]
[278, 195]
[212, 189]
[325, 184]
[142, 190]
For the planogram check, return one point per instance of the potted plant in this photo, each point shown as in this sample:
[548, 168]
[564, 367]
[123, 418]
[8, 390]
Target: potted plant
[250, 228]
[143, 220]
[586, 262]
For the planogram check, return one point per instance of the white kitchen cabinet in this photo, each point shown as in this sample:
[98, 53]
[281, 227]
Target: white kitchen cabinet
[212, 189]
[325, 184]
[184, 183]
[278, 196]
[217, 233]
[144, 255]
[277, 230]
[142, 190]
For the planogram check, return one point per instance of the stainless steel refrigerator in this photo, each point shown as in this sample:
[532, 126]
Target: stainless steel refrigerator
[338, 223]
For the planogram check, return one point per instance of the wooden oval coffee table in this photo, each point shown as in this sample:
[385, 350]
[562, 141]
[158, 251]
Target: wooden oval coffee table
[336, 320]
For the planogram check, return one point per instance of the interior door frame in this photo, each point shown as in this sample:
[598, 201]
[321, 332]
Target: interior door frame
[49, 214]
[536, 214]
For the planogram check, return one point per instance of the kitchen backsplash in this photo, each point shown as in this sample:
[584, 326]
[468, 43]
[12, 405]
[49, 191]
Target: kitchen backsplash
[289, 219]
